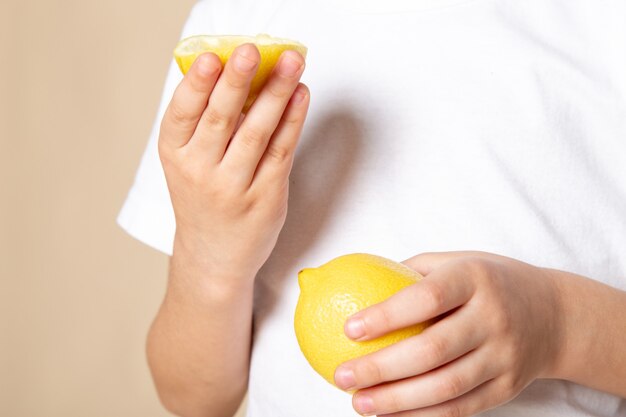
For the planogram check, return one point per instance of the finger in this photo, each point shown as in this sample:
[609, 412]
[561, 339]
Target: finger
[436, 387]
[425, 263]
[222, 114]
[482, 398]
[250, 142]
[445, 289]
[439, 344]
[189, 101]
[277, 161]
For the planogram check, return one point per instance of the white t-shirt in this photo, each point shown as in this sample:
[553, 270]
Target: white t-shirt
[435, 125]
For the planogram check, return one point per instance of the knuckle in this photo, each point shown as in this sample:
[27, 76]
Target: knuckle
[197, 85]
[509, 388]
[435, 295]
[368, 372]
[194, 175]
[278, 153]
[452, 386]
[278, 91]
[253, 137]
[293, 119]
[395, 402]
[225, 200]
[436, 351]
[236, 82]
[190, 175]
[451, 410]
[276, 196]
[479, 267]
[217, 120]
[383, 320]
[177, 115]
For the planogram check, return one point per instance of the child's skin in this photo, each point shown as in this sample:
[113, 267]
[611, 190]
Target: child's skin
[230, 201]
[508, 322]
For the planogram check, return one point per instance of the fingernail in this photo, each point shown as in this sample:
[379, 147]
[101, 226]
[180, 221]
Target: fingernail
[364, 405]
[355, 328]
[245, 60]
[344, 378]
[289, 66]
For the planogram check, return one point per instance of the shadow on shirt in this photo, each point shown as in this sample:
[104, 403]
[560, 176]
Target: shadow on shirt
[323, 170]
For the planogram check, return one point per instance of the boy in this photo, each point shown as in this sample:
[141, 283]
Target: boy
[436, 125]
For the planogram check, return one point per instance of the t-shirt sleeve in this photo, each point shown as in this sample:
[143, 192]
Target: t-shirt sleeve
[147, 213]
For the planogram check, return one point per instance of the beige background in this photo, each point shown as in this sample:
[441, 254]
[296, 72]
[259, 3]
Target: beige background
[80, 82]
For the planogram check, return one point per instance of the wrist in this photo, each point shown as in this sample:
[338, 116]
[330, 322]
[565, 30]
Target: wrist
[594, 332]
[577, 324]
[195, 264]
[214, 256]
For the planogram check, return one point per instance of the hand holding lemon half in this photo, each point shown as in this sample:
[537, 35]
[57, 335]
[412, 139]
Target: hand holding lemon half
[335, 291]
[345, 285]
[270, 49]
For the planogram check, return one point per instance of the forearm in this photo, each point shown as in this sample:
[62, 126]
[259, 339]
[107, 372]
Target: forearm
[229, 194]
[199, 344]
[594, 334]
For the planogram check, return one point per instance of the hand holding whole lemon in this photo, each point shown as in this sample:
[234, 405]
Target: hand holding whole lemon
[335, 291]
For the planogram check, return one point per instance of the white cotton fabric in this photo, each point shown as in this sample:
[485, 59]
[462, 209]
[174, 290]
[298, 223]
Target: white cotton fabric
[435, 125]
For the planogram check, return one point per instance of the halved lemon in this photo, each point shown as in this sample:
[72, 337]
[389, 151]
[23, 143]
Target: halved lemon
[270, 49]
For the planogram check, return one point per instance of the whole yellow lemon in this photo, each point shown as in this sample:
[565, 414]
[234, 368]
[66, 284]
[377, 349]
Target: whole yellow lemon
[270, 49]
[336, 290]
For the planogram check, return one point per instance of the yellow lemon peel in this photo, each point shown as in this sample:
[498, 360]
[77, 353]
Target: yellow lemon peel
[335, 291]
[270, 49]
